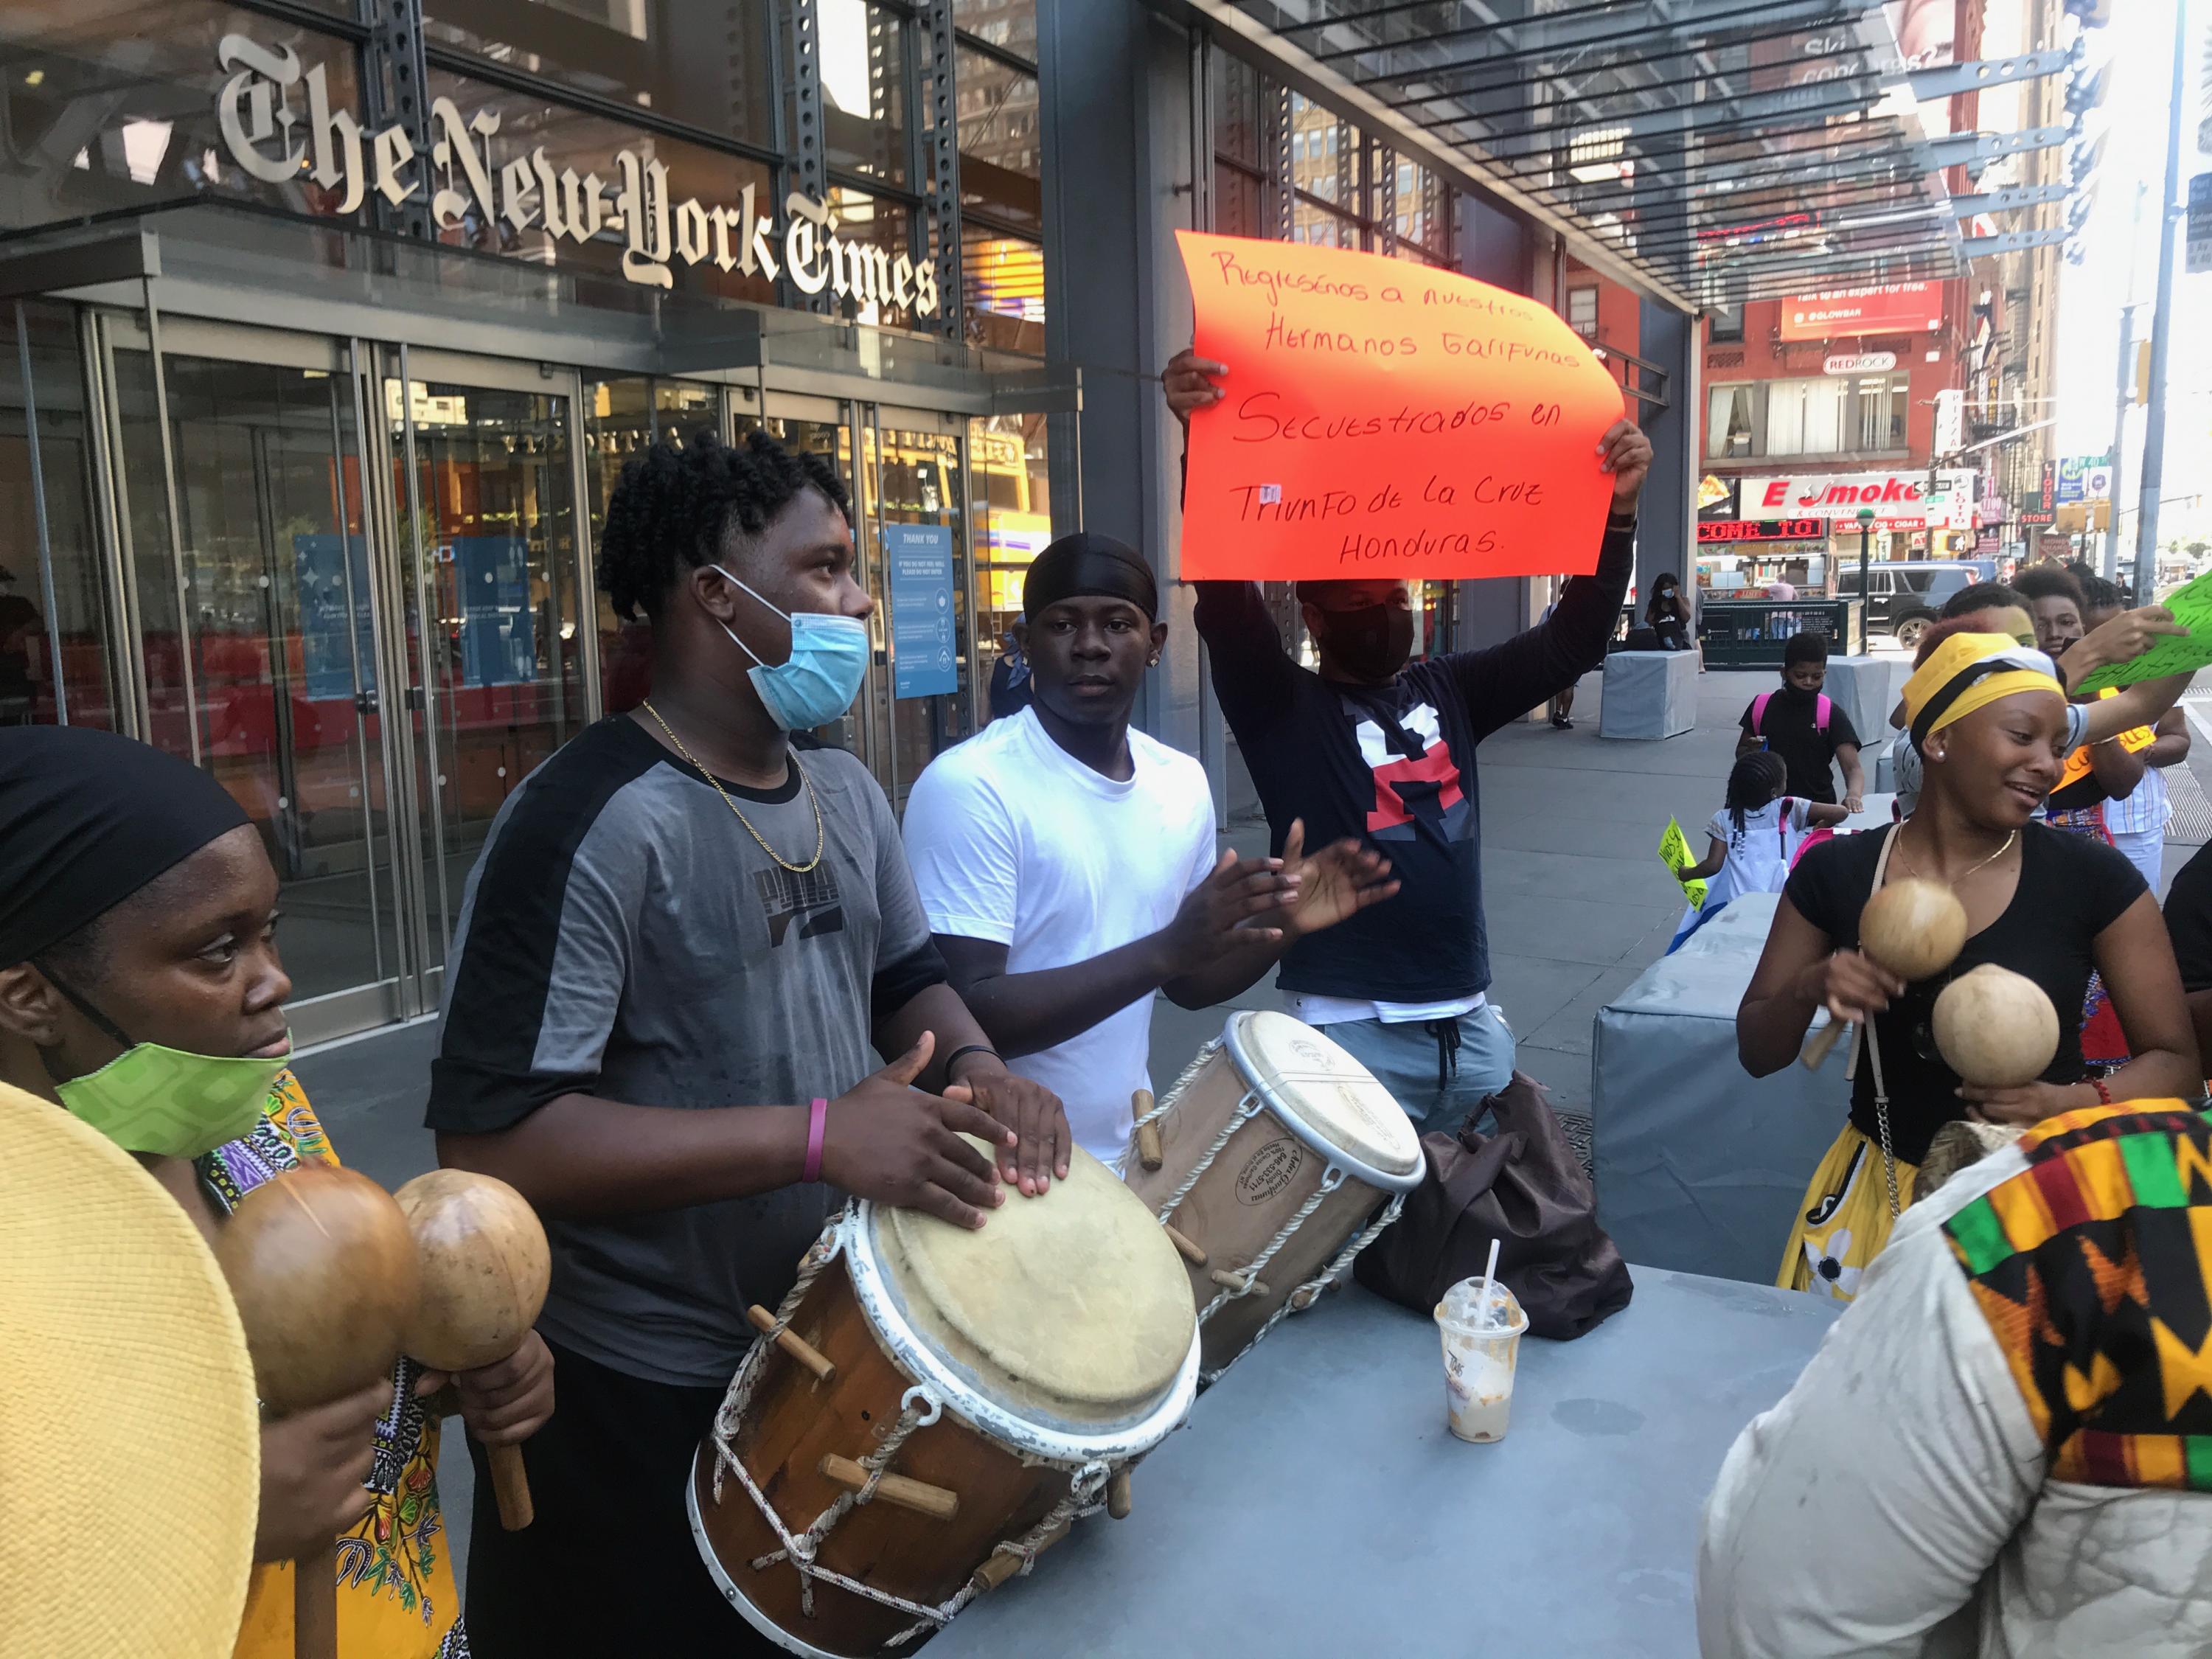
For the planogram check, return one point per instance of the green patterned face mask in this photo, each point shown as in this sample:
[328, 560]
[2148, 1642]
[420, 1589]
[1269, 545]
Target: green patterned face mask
[153, 1099]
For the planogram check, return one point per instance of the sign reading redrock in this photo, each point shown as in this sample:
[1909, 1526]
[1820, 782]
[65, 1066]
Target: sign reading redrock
[463, 175]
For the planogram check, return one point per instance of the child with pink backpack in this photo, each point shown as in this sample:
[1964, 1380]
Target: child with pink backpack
[1755, 839]
[1805, 728]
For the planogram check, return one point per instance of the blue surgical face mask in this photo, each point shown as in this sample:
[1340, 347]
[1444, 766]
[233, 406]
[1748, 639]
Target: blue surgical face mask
[817, 682]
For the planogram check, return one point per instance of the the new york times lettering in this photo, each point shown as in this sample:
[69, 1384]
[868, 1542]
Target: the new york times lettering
[464, 178]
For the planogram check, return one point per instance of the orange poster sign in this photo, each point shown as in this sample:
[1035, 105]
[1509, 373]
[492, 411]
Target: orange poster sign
[1383, 419]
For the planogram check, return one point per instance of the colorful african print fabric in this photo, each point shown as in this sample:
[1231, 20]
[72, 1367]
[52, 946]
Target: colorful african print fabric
[397, 1595]
[2092, 1269]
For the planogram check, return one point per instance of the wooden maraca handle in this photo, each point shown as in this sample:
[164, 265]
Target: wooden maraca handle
[510, 1484]
[1823, 1040]
[315, 1603]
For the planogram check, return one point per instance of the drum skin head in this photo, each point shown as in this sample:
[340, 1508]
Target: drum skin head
[1074, 1303]
[1312, 1082]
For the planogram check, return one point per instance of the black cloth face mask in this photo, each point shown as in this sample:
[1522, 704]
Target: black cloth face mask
[1373, 641]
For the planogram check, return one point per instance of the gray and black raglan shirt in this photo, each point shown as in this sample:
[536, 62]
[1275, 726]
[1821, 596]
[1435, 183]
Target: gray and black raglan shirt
[624, 936]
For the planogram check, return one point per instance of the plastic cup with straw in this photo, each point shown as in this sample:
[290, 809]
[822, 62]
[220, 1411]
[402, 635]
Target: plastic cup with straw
[1481, 1325]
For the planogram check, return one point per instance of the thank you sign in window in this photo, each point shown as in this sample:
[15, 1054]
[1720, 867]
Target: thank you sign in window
[924, 655]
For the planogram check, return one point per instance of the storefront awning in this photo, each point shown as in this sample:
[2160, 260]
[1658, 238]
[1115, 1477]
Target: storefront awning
[237, 263]
[1709, 152]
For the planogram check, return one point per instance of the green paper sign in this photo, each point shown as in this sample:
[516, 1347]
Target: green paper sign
[1675, 854]
[2179, 653]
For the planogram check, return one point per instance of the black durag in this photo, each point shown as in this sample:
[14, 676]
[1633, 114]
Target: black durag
[87, 818]
[1087, 564]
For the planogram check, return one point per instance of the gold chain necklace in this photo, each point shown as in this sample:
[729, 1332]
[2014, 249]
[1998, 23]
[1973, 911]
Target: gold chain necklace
[2011, 837]
[821, 836]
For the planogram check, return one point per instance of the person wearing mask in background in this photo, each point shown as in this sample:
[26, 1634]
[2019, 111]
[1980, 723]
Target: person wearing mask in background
[1383, 749]
[2136, 821]
[1009, 675]
[143, 992]
[1066, 861]
[1810, 732]
[1668, 615]
[686, 951]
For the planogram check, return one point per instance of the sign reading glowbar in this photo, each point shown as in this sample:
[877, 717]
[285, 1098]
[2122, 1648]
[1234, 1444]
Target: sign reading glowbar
[462, 174]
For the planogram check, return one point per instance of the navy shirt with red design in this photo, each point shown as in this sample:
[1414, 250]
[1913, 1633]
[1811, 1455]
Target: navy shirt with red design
[1394, 766]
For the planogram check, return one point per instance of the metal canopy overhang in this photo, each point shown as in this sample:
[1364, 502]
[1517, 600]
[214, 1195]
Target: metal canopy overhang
[1702, 152]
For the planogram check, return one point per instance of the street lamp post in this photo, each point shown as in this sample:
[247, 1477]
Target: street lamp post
[1866, 593]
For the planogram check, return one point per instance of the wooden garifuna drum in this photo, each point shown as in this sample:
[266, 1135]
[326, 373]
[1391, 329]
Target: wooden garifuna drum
[1266, 1162]
[935, 1405]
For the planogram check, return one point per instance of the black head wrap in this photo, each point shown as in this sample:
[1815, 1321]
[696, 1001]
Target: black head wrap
[87, 818]
[1084, 563]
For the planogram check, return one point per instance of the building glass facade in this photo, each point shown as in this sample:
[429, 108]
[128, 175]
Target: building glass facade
[313, 496]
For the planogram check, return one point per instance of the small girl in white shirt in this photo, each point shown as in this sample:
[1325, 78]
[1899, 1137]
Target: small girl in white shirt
[1756, 836]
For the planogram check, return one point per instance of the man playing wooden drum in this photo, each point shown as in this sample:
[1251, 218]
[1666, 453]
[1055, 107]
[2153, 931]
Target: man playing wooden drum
[1068, 863]
[684, 925]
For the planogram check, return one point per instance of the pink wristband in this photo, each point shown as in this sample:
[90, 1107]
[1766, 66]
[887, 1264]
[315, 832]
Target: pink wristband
[817, 1119]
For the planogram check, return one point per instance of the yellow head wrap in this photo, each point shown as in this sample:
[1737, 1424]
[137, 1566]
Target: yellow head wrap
[1968, 672]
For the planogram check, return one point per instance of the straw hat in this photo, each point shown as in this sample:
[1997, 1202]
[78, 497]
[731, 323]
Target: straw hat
[129, 1437]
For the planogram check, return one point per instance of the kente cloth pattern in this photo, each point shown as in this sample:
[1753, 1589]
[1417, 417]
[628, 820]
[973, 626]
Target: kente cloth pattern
[1845, 1220]
[2091, 1268]
[397, 1595]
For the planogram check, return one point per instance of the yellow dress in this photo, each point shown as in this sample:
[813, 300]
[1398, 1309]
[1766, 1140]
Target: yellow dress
[1845, 1220]
[397, 1595]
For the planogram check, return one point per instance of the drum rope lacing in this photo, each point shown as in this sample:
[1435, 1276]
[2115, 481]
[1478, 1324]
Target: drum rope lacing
[1332, 1178]
[1303, 1295]
[1308, 1293]
[919, 1407]
[1247, 1110]
[1188, 1075]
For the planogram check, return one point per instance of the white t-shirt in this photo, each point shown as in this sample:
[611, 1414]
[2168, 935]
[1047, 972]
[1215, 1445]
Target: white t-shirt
[1759, 855]
[1013, 840]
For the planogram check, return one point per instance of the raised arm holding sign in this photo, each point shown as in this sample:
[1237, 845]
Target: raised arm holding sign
[1375, 745]
[1388, 420]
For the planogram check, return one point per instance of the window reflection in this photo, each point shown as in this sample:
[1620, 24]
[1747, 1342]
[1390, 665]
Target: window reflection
[707, 66]
[52, 592]
[863, 59]
[998, 157]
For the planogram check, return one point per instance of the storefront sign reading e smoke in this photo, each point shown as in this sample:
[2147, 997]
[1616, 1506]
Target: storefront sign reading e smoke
[462, 173]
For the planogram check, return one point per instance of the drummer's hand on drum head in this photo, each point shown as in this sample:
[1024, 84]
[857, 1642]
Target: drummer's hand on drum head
[1850, 985]
[1032, 1111]
[1341, 880]
[886, 1141]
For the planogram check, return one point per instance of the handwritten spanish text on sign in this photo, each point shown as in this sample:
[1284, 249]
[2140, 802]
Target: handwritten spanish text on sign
[1382, 419]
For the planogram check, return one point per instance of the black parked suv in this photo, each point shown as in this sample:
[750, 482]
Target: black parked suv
[1906, 596]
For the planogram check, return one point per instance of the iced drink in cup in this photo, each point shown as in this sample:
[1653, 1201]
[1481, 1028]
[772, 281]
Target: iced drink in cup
[1482, 1345]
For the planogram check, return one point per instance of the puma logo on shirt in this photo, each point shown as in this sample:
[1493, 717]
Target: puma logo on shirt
[1403, 783]
[786, 894]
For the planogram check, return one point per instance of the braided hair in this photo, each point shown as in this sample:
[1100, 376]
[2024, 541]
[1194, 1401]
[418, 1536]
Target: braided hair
[675, 506]
[1755, 779]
